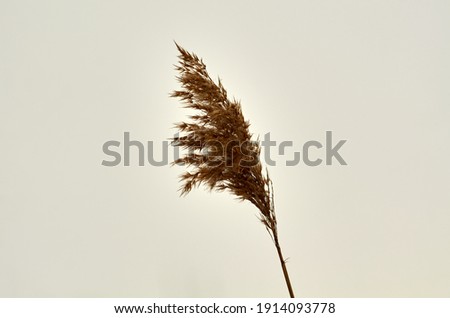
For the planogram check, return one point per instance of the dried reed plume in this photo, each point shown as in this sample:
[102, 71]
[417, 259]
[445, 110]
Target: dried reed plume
[221, 153]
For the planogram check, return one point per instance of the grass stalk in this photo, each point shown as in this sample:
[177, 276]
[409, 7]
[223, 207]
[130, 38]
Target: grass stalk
[220, 151]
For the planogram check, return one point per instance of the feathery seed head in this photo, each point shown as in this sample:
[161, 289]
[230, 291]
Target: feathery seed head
[220, 152]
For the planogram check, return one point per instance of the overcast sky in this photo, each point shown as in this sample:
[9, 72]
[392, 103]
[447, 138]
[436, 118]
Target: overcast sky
[76, 74]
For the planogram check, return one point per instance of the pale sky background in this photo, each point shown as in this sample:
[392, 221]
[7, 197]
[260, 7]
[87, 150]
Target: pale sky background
[75, 74]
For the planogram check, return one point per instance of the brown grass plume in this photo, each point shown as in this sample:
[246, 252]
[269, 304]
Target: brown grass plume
[220, 151]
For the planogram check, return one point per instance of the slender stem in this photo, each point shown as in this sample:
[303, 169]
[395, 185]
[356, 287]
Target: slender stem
[283, 266]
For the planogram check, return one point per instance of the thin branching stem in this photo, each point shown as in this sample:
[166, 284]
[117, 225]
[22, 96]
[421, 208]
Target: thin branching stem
[283, 266]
